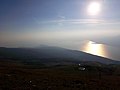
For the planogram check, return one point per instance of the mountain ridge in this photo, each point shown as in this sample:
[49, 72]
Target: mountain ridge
[51, 52]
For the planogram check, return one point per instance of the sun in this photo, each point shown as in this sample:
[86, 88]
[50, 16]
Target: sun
[94, 8]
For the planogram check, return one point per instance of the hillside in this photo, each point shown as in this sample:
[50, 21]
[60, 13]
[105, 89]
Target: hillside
[49, 54]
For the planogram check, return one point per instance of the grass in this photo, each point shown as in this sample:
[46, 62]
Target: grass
[15, 76]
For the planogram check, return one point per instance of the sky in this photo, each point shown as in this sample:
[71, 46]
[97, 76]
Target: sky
[65, 23]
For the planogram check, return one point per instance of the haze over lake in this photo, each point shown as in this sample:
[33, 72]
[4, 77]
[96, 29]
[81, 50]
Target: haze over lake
[101, 50]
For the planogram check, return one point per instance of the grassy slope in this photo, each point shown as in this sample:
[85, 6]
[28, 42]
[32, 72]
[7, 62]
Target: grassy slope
[15, 76]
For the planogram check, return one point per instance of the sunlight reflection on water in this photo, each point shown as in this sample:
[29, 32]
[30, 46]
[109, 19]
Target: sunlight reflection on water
[100, 50]
[95, 49]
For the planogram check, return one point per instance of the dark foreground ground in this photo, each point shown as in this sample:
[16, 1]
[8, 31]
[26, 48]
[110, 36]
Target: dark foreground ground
[20, 77]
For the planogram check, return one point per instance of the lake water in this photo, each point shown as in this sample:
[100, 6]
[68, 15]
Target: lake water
[101, 50]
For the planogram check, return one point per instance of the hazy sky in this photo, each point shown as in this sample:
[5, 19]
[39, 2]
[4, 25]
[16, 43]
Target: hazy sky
[63, 23]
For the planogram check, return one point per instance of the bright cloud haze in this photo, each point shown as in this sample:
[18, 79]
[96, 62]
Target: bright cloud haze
[64, 23]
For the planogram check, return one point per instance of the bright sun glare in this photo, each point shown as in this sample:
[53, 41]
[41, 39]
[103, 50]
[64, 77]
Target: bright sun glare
[94, 8]
[95, 49]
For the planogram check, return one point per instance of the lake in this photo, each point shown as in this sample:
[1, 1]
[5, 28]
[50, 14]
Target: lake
[101, 50]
